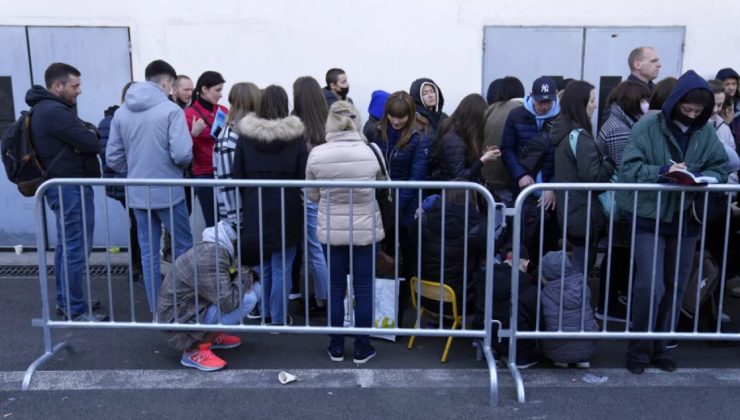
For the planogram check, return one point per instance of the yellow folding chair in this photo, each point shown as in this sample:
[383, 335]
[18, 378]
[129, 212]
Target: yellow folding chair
[431, 290]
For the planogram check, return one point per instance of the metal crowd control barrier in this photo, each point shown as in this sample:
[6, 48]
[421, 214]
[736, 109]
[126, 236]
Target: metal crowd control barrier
[117, 306]
[701, 201]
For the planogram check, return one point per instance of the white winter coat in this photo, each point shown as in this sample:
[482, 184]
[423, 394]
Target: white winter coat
[345, 156]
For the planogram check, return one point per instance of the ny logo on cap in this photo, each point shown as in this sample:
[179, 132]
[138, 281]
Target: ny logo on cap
[545, 88]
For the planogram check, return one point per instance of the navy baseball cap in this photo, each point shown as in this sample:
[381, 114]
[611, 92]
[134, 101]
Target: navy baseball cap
[544, 89]
[727, 73]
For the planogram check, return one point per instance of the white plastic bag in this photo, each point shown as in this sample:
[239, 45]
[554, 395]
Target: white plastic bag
[384, 305]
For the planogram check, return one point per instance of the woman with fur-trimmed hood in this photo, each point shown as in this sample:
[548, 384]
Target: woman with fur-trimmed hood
[271, 146]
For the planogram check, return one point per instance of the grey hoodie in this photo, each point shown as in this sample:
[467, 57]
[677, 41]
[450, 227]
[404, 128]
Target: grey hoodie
[149, 139]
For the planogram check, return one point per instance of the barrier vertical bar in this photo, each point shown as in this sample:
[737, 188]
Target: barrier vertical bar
[107, 260]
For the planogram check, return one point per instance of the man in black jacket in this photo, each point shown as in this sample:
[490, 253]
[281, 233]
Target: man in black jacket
[644, 66]
[67, 147]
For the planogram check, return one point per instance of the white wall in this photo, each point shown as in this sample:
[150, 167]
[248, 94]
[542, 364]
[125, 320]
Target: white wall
[383, 44]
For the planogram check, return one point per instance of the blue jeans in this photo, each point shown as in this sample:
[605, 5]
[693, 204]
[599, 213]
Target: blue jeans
[249, 301]
[150, 235]
[664, 284]
[273, 281]
[316, 258]
[73, 246]
[362, 283]
[205, 197]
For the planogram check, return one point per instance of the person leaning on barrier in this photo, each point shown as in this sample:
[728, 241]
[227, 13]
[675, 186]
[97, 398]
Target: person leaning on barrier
[676, 138]
[349, 226]
[67, 147]
[204, 286]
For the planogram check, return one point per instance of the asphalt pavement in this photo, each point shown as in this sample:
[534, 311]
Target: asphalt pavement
[133, 374]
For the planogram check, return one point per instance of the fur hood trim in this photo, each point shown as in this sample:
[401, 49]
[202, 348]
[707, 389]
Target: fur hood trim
[262, 130]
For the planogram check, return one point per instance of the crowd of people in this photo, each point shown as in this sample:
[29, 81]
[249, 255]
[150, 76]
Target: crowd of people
[166, 127]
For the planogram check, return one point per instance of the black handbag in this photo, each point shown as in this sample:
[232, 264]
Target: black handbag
[384, 197]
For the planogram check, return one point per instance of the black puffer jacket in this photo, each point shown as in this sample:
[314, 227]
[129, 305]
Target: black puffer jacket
[270, 149]
[590, 164]
[55, 130]
[454, 246]
[116, 193]
[451, 155]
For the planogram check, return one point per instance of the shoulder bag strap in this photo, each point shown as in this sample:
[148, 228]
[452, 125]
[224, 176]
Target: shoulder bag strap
[205, 119]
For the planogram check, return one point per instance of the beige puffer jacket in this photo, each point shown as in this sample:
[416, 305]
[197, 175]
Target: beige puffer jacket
[345, 156]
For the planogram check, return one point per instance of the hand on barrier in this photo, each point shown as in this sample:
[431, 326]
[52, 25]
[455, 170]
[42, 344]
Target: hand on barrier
[548, 200]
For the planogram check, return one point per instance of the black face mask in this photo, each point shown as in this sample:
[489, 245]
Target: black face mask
[343, 92]
[683, 119]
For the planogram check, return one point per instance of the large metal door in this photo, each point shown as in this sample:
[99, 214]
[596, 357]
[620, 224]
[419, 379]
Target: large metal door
[16, 225]
[530, 52]
[103, 57]
[606, 51]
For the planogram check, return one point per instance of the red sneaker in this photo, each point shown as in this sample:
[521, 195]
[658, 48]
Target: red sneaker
[224, 341]
[202, 359]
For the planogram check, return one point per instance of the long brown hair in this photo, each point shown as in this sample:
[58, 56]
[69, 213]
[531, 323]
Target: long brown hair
[468, 122]
[400, 104]
[309, 105]
[244, 98]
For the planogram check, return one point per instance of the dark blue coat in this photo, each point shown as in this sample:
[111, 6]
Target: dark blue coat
[520, 128]
[406, 164]
[116, 193]
[55, 130]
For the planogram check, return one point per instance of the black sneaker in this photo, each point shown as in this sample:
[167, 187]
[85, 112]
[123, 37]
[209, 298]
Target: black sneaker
[62, 310]
[363, 352]
[336, 350]
[290, 322]
[666, 365]
[637, 368]
[526, 362]
[86, 317]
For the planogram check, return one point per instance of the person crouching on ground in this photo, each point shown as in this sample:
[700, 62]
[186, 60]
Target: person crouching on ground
[205, 285]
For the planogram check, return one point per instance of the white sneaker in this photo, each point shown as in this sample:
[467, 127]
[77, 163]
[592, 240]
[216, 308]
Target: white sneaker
[561, 365]
[583, 365]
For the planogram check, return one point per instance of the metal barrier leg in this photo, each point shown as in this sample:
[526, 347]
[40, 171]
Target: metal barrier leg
[492, 376]
[518, 381]
[48, 353]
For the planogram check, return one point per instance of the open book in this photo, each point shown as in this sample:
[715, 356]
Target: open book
[684, 177]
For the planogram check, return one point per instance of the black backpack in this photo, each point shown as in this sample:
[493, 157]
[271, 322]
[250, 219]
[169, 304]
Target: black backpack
[19, 157]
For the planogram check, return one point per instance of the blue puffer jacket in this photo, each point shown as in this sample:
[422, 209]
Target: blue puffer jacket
[521, 125]
[405, 164]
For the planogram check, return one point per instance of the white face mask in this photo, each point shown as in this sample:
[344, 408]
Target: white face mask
[645, 107]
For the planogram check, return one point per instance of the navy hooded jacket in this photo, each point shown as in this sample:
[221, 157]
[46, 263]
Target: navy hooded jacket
[409, 163]
[56, 130]
[521, 126]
